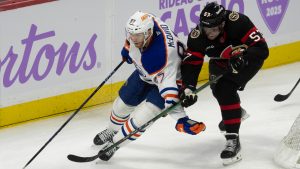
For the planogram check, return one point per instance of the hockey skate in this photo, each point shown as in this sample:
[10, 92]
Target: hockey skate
[104, 136]
[231, 154]
[106, 156]
[245, 115]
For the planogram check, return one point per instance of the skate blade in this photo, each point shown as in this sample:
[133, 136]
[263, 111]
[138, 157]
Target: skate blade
[245, 116]
[229, 161]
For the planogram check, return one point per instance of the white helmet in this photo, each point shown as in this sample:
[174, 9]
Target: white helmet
[140, 22]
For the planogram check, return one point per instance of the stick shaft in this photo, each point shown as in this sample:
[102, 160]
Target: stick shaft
[71, 117]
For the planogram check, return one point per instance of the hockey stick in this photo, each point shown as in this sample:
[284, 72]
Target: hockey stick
[76, 158]
[280, 97]
[71, 117]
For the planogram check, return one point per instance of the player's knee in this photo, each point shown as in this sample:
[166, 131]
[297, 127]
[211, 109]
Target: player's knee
[224, 89]
[122, 109]
[145, 112]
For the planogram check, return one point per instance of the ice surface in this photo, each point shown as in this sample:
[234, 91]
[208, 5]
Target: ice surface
[162, 147]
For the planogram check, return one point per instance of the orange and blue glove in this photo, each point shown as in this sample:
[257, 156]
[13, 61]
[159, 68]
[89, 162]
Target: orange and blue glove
[189, 126]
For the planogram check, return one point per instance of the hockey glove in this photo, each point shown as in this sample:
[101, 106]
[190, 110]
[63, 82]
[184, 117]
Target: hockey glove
[237, 63]
[125, 56]
[189, 126]
[127, 59]
[188, 97]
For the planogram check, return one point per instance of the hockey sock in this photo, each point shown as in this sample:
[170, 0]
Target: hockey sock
[231, 114]
[119, 115]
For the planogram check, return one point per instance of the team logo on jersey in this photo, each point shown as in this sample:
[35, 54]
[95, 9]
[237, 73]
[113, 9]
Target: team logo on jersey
[233, 16]
[195, 33]
[233, 50]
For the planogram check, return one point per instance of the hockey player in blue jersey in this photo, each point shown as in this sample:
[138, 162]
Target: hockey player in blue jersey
[151, 47]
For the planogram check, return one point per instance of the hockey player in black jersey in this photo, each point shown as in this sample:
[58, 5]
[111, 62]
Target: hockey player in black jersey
[236, 49]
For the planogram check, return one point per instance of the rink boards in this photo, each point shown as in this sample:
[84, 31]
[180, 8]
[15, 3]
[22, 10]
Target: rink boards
[51, 63]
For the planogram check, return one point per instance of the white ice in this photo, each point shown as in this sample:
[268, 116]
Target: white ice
[162, 147]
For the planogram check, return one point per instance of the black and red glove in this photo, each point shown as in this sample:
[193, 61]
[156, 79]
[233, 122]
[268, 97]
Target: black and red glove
[187, 97]
[237, 60]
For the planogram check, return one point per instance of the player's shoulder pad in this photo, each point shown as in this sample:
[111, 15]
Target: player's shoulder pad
[236, 17]
[195, 39]
[233, 16]
[195, 33]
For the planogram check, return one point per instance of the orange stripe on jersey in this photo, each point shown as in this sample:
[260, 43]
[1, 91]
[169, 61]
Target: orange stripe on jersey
[117, 119]
[129, 130]
[171, 95]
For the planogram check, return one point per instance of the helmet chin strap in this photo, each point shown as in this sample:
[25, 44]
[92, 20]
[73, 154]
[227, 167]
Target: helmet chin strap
[146, 38]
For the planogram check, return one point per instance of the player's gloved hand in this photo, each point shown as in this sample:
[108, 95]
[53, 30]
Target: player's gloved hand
[126, 56]
[189, 126]
[127, 59]
[188, 97]
[237, 62]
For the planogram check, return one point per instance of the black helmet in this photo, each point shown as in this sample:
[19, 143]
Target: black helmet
[212, 15]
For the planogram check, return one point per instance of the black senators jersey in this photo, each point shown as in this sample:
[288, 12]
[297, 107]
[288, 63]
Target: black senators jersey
[239, 32]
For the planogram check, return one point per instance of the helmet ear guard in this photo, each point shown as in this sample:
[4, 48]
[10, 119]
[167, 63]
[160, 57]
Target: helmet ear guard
[212, 15]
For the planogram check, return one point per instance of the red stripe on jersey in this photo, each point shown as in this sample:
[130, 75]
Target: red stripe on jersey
[179, 82]
[193, 62]
[244, 39]
[232, 121]
[230, 107]
[197, 54]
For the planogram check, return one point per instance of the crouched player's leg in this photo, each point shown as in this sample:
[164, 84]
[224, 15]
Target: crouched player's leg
[142, 114]
[132, 93]
[119, 115]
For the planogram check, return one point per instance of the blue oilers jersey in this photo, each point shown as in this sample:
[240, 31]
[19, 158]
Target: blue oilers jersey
[159, 63]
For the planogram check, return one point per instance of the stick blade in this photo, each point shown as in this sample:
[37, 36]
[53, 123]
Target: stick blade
[79, 159]
[280, 98]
